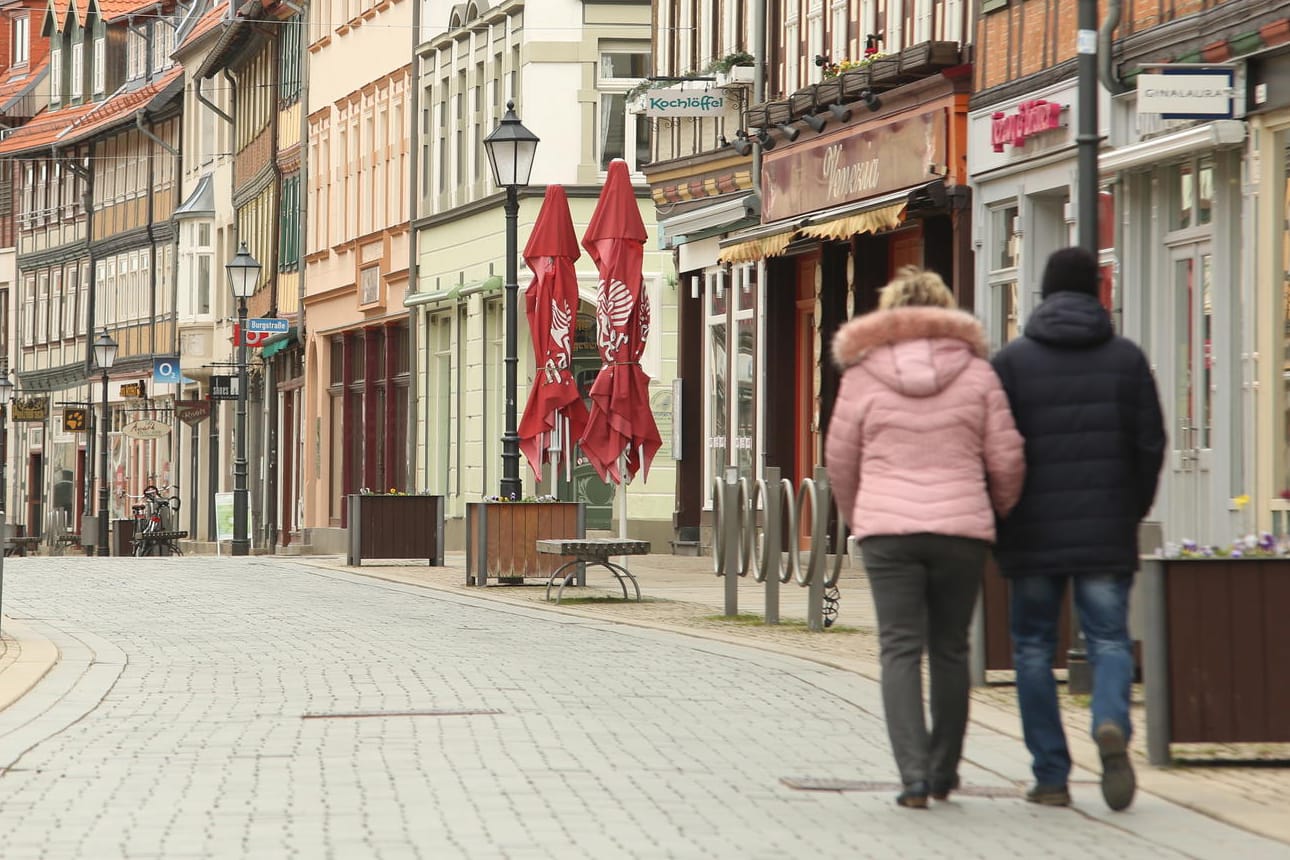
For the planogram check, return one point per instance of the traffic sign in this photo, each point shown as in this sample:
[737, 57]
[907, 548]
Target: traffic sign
[268, 324]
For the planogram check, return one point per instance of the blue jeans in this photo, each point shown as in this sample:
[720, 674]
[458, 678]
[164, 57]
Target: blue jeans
[1102, 601]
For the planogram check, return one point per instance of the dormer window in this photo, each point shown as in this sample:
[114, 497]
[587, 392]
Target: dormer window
[20, 45]
[78, 70]
[55, 76]
[136, 54]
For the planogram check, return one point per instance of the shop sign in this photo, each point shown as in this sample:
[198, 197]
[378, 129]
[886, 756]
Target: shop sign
[76, 419]
[1031, 118]
[676, 101]
[146, 428]
[192, 411]
[1194, 94]
[224, 388]
[869, 160]
[32, 408]
[134, 390]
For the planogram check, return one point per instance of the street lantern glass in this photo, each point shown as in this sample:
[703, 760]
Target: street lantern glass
[6, 388]
[243, 273]
[104, 351]
[511, 149]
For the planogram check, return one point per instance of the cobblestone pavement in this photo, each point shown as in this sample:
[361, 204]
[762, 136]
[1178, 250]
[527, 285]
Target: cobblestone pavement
[261, 708]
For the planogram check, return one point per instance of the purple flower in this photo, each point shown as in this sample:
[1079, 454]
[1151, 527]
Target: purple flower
[1236, 552]
[1189, 545]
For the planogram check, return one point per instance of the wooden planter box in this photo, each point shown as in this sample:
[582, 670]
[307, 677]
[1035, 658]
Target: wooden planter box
[854, 83]
[1217, 647]
[802, 101]
[501, 538]
[395, 527]
[927, 58]
[885, 70]
[826, 93]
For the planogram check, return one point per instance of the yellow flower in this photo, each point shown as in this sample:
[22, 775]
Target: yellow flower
[1240, 502]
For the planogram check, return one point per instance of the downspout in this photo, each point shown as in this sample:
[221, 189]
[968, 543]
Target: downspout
[91, 291]
[152, 250]
[759, 81]
[1105, 67]
[197, 91]
[414, 161]
[269, 384]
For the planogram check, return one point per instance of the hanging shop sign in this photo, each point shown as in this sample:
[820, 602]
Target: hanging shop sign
[677, 101]
[192, 411]
[134, 390]
[146, 428]
[32, 408]
[870, 160]
[1187, 94]
[1030, 119]
[224, 388]
[76, 419]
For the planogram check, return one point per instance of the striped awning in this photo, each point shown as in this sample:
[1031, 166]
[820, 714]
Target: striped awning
[873, 221]
[756, 249]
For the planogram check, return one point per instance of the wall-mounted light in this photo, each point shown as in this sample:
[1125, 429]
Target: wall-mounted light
[840, 113]
[871, 100]
[790, 133]
[763, 137]
[719, 283]
[816, 122]
[694, 286]
[741, 144]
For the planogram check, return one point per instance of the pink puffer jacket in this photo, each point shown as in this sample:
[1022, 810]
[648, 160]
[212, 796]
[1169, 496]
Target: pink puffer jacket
[921, 438]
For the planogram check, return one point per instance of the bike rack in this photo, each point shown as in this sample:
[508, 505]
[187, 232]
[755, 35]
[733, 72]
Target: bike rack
[770, 550]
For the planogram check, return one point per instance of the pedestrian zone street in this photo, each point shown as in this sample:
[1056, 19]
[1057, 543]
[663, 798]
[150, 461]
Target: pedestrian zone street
[206, 707]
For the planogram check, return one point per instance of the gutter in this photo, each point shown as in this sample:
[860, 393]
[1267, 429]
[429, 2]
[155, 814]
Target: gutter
[414, 277]
[1105, 66]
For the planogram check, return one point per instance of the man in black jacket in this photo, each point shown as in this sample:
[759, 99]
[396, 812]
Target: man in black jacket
[1086, 403]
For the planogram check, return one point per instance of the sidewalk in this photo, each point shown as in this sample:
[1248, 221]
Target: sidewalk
[682, 594]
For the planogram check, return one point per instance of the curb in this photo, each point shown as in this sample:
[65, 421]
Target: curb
[27, 658]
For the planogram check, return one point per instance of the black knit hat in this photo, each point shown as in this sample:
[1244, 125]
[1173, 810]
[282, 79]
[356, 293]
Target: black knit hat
[1072, 270]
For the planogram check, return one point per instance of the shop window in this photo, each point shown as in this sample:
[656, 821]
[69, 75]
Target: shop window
[1005, 290]
[717, 363]
[744, 299]
[1191, 194]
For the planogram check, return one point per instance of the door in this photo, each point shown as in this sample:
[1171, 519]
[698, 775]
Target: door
[1190, 392]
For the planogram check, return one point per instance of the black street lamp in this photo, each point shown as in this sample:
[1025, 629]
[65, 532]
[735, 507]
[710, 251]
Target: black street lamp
[104, 356]
[511, 148]
[243, 277]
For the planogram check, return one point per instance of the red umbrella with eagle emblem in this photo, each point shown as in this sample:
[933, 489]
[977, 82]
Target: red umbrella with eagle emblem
[621, 424]
[555, 415]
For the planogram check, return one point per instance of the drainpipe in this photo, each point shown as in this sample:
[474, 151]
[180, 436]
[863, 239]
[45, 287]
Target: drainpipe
[759, 80]
[197, 91]
[414, 314]
[1105, 66]
[91, 291]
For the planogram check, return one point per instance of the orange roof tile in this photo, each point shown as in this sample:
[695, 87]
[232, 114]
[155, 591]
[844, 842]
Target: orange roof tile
[44, 130]
[118, 107]
[14, 82]
[111, 10]
[207, 23]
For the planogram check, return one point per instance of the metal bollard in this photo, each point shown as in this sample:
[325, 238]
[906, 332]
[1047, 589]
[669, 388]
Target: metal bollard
[730, 515]
[819, 540]
[772, 498]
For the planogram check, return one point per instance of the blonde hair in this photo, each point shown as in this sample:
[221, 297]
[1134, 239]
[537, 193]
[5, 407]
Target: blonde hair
[913, 286]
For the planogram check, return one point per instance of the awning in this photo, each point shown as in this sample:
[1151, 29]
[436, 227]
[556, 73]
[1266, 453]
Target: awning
[278, 343]
[1211, 135]
[489, 285]
[770, 240]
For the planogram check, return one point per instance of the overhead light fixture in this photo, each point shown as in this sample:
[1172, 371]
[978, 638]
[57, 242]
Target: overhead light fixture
[840, 113]
[871, 100]
[816, 122]
[741, 144]
[790, 133]
[763, 137]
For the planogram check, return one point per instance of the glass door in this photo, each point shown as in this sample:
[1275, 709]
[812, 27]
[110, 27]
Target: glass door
[1189, 392]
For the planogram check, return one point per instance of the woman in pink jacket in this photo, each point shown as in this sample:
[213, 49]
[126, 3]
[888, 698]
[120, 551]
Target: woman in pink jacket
[922, 454]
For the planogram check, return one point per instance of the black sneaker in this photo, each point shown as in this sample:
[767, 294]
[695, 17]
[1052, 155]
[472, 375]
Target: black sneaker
[1118, 781]
[1049, 795]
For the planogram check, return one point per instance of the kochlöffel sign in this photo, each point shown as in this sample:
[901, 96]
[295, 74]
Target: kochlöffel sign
[677, 101]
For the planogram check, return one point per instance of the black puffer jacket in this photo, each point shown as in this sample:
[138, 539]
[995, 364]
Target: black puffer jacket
[1086, 403]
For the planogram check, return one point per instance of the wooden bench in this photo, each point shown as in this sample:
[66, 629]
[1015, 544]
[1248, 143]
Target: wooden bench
[21, 546]
[592, 551]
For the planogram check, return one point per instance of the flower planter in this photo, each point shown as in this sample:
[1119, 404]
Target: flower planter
[928, 58]
[826, 93]
[501, 538]
[735, 75]
[885, 70]
[853, 83]
[1216, 648]
[382, 526]
[998, 631]
[802, 101]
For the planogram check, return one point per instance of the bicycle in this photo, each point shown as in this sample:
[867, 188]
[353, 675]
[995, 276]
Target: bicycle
[154, 534]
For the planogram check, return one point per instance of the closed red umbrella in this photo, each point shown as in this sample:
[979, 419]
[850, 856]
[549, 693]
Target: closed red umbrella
[621, 422]
[555, 415]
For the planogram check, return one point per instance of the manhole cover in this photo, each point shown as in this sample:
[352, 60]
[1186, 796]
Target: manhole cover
[434, 712]
[828, 784]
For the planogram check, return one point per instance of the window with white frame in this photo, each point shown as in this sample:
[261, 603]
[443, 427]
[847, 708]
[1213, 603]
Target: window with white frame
[839, 45]
[164, 43]
[622, 134]
[20, 33]
[55, 76]
[439, 428]
[791, 50]
[1005, 257]
[716, 373]
[136, 54]
[100, 46]
[743, 297]
[815, 29]
[78, 70]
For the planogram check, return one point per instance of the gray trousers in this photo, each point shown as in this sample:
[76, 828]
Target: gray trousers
[925, 589]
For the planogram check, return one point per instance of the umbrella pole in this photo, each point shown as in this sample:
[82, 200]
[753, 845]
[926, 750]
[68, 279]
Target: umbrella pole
[622, 510]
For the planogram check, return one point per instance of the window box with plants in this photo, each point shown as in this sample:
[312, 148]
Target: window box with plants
[502, 536]
[1216, 644]
[394, 524]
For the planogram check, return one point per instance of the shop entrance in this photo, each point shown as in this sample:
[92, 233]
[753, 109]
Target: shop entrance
[1189, 389]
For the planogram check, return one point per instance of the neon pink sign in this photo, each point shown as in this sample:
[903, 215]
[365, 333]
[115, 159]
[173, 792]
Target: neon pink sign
[1031, 118]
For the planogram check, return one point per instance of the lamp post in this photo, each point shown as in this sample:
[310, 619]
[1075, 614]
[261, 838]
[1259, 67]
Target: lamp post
[511, 148]
[6, 393]
[104, 356]
[243, 277]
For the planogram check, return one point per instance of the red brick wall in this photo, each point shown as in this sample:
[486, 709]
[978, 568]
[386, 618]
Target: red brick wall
[1045, 30]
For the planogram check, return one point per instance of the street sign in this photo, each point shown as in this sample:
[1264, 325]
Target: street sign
[166, 369]
[223, 388]
[272, 325]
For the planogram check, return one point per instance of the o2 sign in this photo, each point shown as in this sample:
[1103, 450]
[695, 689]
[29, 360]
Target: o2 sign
[166, 369]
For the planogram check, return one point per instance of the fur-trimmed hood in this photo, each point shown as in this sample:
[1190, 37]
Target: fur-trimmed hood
[914, 350]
